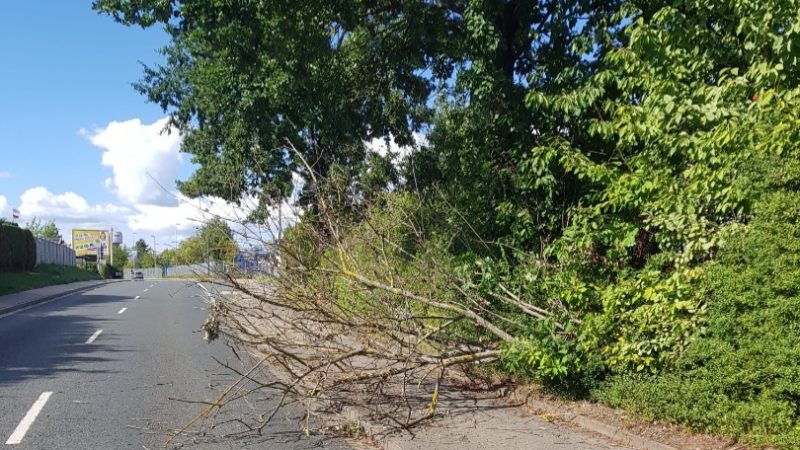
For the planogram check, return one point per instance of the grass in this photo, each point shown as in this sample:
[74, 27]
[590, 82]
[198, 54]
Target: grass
[43, 275]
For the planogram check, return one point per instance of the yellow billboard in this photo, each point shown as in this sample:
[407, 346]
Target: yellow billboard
[88, 242]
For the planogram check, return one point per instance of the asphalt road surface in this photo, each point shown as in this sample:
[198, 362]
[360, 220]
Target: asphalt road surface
[96, 370]
[123, 366]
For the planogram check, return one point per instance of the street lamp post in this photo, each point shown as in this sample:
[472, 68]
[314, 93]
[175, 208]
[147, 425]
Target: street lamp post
[176, 244]
[111, 250]
[208, 262]
[154, 250]
[136, 259]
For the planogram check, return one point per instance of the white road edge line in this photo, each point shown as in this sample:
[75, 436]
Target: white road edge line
[94, 336]
[27, 421]
[122, 310]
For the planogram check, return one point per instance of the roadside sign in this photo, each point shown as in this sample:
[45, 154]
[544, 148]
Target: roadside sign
[89, 242]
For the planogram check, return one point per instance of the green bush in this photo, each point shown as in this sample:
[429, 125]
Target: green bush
[30, 246]
[17, 249]
[742, 376]
[107, 270]
[5, 250]
[300, 246]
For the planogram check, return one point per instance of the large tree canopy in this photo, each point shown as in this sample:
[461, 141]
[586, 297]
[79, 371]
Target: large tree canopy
[244, 79]
[45, 229]
[579, 138]
[585, 158]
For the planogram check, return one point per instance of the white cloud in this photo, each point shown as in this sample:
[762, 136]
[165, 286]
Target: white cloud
[387, 146]
[145, 161]
[3, 206]
[188, 214]
[165, 222]
[71, 211]
[143, 157]
[68, 207]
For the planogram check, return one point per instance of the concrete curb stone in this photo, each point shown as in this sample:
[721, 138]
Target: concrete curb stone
[612, 431]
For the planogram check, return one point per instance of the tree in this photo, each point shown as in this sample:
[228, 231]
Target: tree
[44, 229]
[218, 236]
[247, 83]
[583, 160]
[142, 250]
[146, 261]
[121, 255]
[169, 257]
[192, 250]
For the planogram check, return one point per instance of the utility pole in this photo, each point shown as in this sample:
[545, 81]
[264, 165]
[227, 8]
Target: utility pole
[136, 258]
[154, 250]
[175, 263]
[205, 238]
[111, 247]
[208, 260]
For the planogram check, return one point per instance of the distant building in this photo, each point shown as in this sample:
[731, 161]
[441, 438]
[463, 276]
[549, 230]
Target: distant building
[256, 260]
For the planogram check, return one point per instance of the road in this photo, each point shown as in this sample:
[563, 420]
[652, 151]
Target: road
[96, 370]
[114, 367]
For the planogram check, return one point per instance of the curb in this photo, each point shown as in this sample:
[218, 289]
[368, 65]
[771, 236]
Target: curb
[372, 431]
[563, 414]
[17, 307]
[611, 431]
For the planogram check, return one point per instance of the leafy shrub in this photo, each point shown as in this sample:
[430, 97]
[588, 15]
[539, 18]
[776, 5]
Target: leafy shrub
[5, 249]
[30, 245]
[742, 376]
[17, 249]
[300, 246]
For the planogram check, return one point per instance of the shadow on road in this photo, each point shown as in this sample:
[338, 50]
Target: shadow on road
[45, 341]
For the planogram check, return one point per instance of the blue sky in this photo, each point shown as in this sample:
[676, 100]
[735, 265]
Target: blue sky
[65, 80]
[78, 144]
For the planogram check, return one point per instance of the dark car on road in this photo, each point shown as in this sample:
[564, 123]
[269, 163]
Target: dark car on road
[138, 276]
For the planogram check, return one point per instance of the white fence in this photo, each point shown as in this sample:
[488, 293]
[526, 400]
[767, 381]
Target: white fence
[173, 271]
[191, 269]
[48, 252]
[147, 273]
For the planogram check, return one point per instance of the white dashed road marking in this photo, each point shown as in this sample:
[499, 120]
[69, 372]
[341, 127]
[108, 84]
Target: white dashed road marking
[146, 290]
[27, 421]
[137, 298]
[122, 310]
[94, 336]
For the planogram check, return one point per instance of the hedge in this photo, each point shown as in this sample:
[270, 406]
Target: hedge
[107, 270]
[17, 249]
